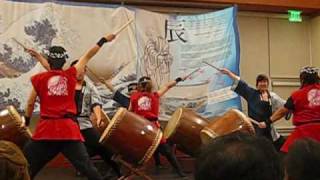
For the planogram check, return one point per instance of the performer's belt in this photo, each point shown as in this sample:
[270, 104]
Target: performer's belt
[152, 119]
[66, 116]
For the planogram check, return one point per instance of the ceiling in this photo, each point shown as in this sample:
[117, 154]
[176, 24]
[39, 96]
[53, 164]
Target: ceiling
[308, 7]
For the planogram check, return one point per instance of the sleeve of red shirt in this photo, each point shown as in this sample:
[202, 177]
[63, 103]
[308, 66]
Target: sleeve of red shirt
[72, 71]
[132, 100]
[156, 94]
[35, 82]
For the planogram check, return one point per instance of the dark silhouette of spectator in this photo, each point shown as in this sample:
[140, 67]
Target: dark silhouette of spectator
[239, 156]
[303, 159]
[13, 164]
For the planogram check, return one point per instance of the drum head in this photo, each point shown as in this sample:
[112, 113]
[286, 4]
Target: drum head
[14, 113]
[112, 124]
[221, 126]
[12, 128]
[172, 123]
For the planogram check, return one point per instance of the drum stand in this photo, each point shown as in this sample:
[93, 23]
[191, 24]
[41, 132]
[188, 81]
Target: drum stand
[132, 170]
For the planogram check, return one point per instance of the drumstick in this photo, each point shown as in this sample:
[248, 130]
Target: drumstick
[194, 71]
[123, 27]
[105, 115]
[216, 68]
[254, 122]
[94, 74]
[24, 47]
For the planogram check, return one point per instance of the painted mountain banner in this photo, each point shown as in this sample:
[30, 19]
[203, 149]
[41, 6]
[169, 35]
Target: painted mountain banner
[76, 27]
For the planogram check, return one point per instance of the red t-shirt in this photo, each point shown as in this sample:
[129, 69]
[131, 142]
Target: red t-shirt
[146, 104]
[306, 102]
[56, 90]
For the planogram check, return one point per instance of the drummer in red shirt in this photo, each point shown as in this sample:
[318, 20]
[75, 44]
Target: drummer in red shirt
[57, 130]
[305, 105]
[146, 103]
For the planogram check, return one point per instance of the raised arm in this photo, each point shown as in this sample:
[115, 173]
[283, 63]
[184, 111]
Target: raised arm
[239, 86]
[91, 52]
[43, 61]
[169, 85]
[230, 74]
[30, 106]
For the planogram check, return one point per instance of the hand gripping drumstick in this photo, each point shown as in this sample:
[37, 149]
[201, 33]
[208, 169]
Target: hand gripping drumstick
[123, 27]
[24, 47]
[216, 68]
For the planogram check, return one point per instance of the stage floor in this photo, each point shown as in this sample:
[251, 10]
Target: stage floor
[166, 173]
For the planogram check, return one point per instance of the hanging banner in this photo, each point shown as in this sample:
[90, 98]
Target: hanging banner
[170, 46]
[76, 27]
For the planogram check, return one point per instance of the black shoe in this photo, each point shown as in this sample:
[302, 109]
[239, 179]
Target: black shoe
[181, 174]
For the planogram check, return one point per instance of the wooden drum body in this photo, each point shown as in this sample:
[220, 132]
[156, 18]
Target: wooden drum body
[184, 129]
[131, 136]
[233, 120]
[11, 127]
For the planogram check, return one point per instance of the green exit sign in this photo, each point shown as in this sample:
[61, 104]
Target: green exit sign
[294, 16]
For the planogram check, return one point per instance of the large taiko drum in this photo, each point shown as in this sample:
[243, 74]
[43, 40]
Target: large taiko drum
[11, 127]
[131, 136]
[232, 121]
[183, 129]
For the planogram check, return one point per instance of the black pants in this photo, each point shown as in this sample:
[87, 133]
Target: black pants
[93, 146]
[39, 153]
[166, 150]
[278, 143]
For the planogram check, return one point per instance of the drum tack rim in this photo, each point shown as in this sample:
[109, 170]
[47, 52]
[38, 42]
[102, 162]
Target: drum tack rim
[245, 119]
[14, 114]
[112, 125]
[152, 148]
[205, 133]
[167, 133]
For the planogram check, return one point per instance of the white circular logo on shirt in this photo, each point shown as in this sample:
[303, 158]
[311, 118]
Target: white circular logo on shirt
[144, 103]
[314, 97]
[57, 86]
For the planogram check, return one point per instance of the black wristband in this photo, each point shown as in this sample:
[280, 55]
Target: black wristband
[268, 122]
[178, 79]
[102, 41]
[27, 119]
